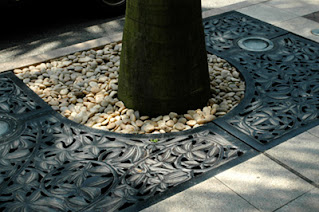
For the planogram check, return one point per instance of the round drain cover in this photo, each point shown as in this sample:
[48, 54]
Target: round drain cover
[315, 32]
[256, 44]
[9, 128]
[4, 127]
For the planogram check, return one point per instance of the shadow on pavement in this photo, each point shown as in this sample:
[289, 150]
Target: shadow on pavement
[33, 28]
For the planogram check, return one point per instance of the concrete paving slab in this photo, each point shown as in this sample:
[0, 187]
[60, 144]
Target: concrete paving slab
[298, 7]
[314, 131]
[210, 195]
[212, 12]
[218, 7]
[267, 13]
[300, 26]
[242, 4]
[207, 4]
[309, 202]
[115, 37]
[264, 183]
[219, 4]
[301, 154]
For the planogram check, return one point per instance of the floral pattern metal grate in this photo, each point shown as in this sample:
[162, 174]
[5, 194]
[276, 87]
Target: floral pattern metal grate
[13, 100]
[48, 163]
[56, 166]
[282, 90]
[222, 32]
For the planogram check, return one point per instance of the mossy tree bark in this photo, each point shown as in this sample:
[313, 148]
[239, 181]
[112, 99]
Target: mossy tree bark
[163, 61]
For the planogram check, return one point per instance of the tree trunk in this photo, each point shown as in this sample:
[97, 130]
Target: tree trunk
[163, 61]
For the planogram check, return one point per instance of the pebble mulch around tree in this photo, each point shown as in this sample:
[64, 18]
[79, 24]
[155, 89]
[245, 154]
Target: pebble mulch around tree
[83, 87]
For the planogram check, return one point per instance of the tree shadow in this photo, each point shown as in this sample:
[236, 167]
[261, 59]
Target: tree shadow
[32, 29]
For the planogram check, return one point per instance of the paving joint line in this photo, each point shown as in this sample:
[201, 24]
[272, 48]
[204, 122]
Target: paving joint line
[317, 136]
[239, 138]
[291, 201]
[291, 170]
[236, 193]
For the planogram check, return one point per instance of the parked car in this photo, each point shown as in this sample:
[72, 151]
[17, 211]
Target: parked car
[112, 3]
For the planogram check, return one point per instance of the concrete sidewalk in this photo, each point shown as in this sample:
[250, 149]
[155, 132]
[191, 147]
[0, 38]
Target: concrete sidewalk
[284, 178]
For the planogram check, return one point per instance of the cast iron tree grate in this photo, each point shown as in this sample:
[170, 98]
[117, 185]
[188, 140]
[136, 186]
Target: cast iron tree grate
[222, 32]
[281, 83]
[48, 162]
[54, 165]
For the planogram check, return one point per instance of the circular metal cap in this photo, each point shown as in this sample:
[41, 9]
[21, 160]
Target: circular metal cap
[315, 32]
[256, 44]
[9, 128]
[4, 127]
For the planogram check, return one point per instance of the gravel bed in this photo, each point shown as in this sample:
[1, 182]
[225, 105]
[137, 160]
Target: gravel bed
[83, 87]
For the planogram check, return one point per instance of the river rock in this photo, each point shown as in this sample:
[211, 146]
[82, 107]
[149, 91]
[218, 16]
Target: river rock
[188, 116]
[170, 123]
[103, 79]
[182, 120]
[64, 91]
[166, 118]
[148, 128]
[225, 73]
[139, 123]
[84, 59]
[54, 102]
[144, 118]
[191, 123]
[83, 87]
[129, 129]
[95, 89]
[172, 115]
[179, 126]
[207, 111]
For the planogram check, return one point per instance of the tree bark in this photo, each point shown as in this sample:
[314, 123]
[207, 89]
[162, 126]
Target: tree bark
[163, 61]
